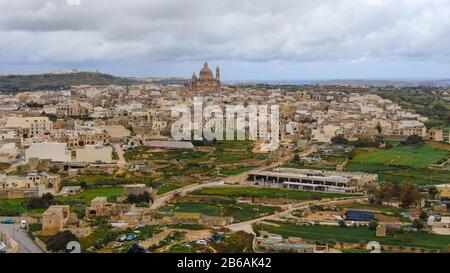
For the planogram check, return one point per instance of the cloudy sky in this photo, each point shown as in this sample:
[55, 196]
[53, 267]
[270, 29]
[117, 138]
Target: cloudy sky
[250, 39]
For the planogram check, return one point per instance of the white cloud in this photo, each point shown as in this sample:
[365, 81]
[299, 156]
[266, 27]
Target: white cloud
[50, 31]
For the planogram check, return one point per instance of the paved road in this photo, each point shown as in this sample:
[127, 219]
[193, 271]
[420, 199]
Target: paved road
[27, 245]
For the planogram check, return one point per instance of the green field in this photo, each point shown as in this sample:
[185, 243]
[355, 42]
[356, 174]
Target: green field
[420, 177]
[237, 170]
[10, 207]
[357, 235]
[86, 196]
[371, 168]
[102, 180]
[265, 192]
[401, 174]
[222, 207]
[402, 163]
[409, 156]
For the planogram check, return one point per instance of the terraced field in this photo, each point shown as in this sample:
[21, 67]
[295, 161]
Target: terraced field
[220, 207]
[402, 163]
[89, 194]
[265, 192]
[356, 235]
[419, 156]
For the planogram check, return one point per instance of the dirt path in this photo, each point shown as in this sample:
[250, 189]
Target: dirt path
[157, 238]
[120, 153]
[194, 235]
[393, 160]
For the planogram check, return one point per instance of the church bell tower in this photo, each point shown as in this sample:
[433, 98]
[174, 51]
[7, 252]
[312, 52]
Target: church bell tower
[218, 73]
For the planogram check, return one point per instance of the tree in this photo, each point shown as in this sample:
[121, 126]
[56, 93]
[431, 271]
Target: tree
[296, 157]
[418, 224]
[432, 191]
[139, 198]
[412, 140]
[389, 191]
[59, 242]
[339, 140]
[42, 202]
[409, 193]
[342, 224]
[423, 216]
[54, 169]
[373, 193]
[135, 248]
[373, 225]
[378, 128]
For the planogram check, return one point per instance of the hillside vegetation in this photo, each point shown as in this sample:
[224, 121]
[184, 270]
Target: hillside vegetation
[16, 83]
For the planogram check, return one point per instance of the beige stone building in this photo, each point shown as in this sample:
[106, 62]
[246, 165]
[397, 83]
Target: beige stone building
[58, 218]
[71, 108]
[206, 80]
[35, 125]
[54, 219]
[100, 207]
[81, 138]
[32, 185]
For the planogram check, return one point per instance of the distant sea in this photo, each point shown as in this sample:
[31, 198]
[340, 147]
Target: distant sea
[371, 82]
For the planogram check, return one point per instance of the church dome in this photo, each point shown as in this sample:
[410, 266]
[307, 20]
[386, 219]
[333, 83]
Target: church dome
[206, 73]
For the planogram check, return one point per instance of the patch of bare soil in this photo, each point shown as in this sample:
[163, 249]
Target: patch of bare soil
[386, 218]
[156, 239]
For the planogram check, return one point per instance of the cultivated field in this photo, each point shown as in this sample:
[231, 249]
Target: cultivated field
[86, 196]
[357, 235]
[219, 207]
[218, 158]
[419, 156]
[265, 192]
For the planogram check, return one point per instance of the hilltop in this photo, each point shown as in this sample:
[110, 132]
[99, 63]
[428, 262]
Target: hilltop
[15, 83]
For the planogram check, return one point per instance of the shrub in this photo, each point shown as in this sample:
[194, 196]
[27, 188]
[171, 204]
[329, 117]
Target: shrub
[418, 224]
[413, 140]
[58, 243]
[373, 225]
[40, 202]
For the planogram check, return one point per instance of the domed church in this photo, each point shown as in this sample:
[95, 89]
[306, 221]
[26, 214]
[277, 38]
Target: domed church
[205, 81]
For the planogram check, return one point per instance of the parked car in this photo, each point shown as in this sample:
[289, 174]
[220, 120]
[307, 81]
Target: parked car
[123, 238]
[117, 245]
[2, 247]
[131, 237]
[23, 224]
[202, 242]
[8, 221]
